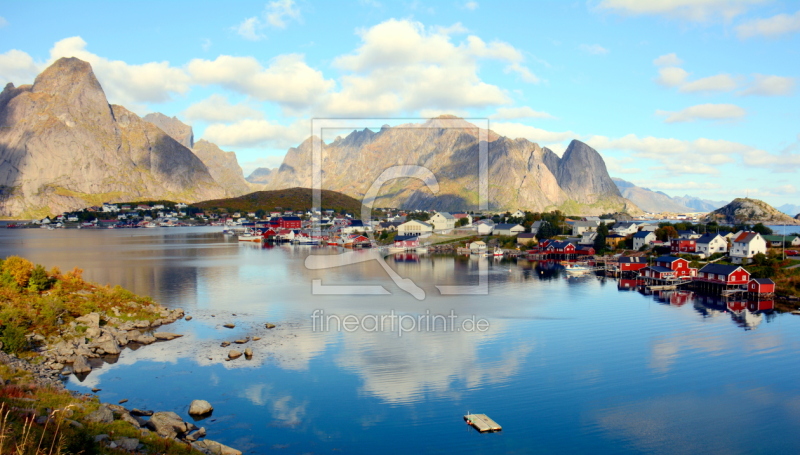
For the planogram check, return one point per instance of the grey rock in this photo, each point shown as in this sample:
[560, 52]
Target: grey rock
[89, 320]
[210, 447]
[80, 365]
[136, 422]
[200, 407]
[248, 352]
[128, 444]
[229, 325]
[194, 436]
[166, 336]
[168, 424]
[102, 415]
[140, 412]
[234, 354]
[101, 438]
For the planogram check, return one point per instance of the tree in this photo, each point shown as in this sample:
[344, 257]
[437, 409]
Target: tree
[462, 222]
[665, 233]
[761, 229]
[600, 239]
[546, 231]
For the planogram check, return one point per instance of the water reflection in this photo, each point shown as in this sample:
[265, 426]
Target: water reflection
[556, 357]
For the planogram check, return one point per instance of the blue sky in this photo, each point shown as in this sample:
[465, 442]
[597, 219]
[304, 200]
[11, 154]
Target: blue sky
[683, 96]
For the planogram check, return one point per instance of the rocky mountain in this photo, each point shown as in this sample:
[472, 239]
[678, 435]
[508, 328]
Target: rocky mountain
[63, 147]
[178, 130]
[223, 166]
[750, 211]
[260, 176]
[647, 199]
[697, 204]
[790, 209]
[521, 173]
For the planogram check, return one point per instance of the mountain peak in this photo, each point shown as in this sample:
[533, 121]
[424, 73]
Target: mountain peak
[175, 128]
[747, 210]
[67, 75]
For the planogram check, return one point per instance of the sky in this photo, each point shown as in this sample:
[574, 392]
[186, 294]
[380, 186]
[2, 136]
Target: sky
[694, 97]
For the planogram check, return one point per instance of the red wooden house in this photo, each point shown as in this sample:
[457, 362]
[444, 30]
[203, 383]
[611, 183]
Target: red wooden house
[679, 265]
[586, 251]
[761, 286]
[632, 264]
[657, 272]
[678, 246]
[723, 274]
[290, 222]
[561, 247]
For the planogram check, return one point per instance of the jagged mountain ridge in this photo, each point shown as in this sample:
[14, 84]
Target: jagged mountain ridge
[698, 204]
[790, 209]
[63, 147]
[521, 173]
[223, 166]
[178, 130]
[750, 211]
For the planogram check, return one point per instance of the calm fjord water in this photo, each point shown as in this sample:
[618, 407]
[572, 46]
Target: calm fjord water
[567, 365]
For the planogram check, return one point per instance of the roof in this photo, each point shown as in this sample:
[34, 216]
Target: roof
[587, 224]
[399, 238]
[356, 223]
[707, 238]
[446, 215]
[632, 260]
[615, 236]
[506, 226]
[746, 237]
[526, 235]
[763, 281]
[778, 238]
[659, 269]
[290, 218]
[719, 269]
[560, 244]
[418, 221]
[623, 225]
[643, 234]
[669, 259]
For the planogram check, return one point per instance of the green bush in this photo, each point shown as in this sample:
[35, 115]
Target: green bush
[39, 281]
[12, 337]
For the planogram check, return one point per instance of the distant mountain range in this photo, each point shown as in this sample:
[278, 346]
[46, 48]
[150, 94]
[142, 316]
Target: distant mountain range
[790, 209]
[63, 147]
[521, 173]
[658, 201]
[261, 176]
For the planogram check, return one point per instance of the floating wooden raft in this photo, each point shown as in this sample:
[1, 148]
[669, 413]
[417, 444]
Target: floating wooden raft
[482, 423]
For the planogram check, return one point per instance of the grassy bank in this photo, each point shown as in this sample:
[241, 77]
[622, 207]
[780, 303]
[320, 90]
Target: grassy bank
[48, 320]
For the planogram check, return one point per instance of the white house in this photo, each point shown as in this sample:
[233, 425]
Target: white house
[624, 229]
[110, 207]
[518, 214]
[72, 218]
[477, 247]
[747, 245]
[587, 238]
[709, 244]
[414, 227]
[579, 227]
[485, 227]
[643, 238]
[443, 221]
[508, 229]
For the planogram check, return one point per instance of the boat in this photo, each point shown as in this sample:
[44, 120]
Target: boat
[576, 269]
[250, 237]
[498, 252]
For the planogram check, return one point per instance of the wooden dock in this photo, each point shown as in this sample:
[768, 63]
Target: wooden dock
[482, 423]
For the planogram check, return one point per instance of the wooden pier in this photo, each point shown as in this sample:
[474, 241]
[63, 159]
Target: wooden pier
[482, 423]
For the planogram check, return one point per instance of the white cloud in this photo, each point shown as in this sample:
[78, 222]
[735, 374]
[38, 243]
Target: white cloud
[518, 130]
[524, 73]
[123, 83]
[257, 133]
[472, 6]
[287, 81]
[785, 189]
[280, 11]
[402, 66]
[18, 67]
[690, 10]
[594, 49]
[671, 76]
[519, 112]
[668, 60]
[248, 29]
[765, 85]
[617, 166]
[718, 83]
[277, 14]
[216, 108]
[770, 27]
[704, 112]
